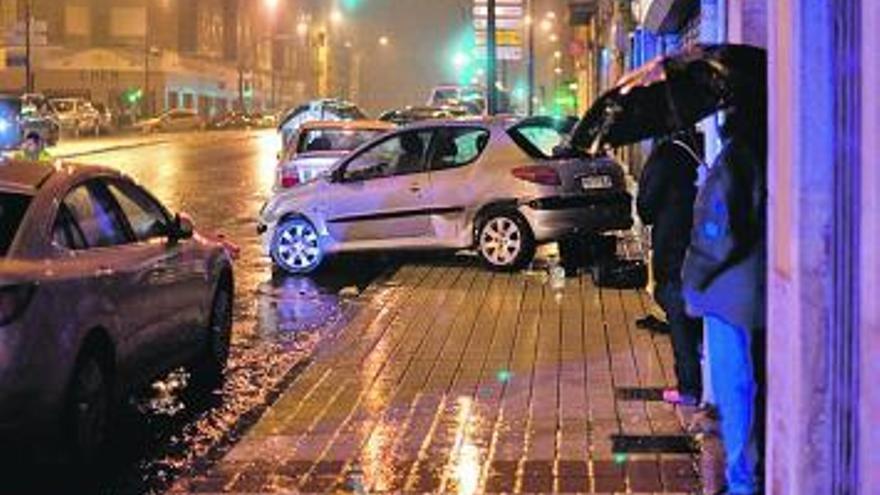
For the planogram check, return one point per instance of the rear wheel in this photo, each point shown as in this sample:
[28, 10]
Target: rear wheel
[296, 248]
[88, 410]
[505, 241]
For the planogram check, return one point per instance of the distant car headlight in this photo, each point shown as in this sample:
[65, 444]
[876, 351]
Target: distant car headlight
[595, 182]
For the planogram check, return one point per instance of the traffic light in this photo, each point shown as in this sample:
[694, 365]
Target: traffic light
[133, 96]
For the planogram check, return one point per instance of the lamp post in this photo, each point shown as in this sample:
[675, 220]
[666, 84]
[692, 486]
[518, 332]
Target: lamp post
[491, 59]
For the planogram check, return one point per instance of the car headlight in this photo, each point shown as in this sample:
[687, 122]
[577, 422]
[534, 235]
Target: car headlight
[595, 182]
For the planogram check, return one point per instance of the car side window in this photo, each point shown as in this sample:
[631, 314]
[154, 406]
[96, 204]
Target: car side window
[402, 154]
[66, 233]
[457, 147]
[97, 216]
[146, 217]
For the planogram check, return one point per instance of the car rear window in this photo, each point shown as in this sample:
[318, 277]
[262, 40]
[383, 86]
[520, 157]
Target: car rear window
[335, 139]
[12, 209]
[538, 137]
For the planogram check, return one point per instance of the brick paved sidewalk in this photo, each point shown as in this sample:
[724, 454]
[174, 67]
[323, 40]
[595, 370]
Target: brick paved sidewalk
[455, 379]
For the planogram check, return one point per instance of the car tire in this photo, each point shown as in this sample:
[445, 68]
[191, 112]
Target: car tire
[505, 241]
[208, 372]
[88, 411]
[296, 247]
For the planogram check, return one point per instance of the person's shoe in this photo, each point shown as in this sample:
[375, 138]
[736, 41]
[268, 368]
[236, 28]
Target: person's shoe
[673, 396]
[653, 324]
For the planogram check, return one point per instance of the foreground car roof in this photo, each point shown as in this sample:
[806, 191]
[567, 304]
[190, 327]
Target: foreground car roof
[25, 176]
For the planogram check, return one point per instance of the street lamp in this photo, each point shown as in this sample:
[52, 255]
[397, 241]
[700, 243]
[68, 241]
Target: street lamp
[384, 41]
[336, 17]
[271, 4]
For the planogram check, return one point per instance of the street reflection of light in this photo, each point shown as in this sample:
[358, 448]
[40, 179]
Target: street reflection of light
[267, 158]
[465, 460]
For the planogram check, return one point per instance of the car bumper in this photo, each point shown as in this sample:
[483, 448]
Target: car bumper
[553, 218]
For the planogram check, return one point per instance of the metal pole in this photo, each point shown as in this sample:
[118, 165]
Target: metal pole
[28, 76]
[146, 97]
[531, 56]
[491, 60]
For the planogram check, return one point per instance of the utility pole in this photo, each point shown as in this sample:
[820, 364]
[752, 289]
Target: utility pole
[145, 100]
[28, 69]
[530, 12]
[491, 59]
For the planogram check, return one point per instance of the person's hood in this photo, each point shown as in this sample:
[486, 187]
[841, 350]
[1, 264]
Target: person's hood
[671, 93]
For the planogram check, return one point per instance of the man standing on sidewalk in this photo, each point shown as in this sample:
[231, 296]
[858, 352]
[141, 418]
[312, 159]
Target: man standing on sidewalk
[667, 190]
[724, 281]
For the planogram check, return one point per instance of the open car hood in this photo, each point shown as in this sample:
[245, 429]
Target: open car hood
[671, 93]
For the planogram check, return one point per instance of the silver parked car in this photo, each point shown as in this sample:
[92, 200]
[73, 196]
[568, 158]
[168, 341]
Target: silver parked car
[492, 185]
[177, 120]
[101, 290]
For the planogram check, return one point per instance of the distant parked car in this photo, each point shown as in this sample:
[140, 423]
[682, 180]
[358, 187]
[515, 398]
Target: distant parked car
[494, 185]
[410, 114]
[101, 291]
[76, 115]
[328, 109]
[106, 121]
[234, 120]
[22, 115]
[318, 145]
[173, 121]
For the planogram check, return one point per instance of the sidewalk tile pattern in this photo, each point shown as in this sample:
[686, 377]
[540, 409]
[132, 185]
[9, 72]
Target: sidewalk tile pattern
[454, 379]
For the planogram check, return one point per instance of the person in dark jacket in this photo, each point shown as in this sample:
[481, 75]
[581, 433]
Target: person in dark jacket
[724, 282]
[667, 190]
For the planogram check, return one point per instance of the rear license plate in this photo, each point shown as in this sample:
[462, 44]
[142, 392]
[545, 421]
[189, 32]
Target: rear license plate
[595, 182]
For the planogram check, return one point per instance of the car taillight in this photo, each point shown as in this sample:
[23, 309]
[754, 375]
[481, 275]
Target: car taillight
[539, 174]
[289, 178]
[14, 299]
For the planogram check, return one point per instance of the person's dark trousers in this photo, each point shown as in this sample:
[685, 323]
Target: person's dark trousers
[686, 334]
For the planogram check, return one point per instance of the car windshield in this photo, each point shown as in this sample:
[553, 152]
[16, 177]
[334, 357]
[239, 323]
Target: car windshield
[12, 209]
[334, 139]
[63, 106]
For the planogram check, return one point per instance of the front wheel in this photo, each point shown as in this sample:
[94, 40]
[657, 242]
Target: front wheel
[296, 248]
[209, 371]
[505, 241]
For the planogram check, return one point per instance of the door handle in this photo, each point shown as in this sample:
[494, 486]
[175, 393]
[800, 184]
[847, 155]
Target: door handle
[415, 187]
[103, 271]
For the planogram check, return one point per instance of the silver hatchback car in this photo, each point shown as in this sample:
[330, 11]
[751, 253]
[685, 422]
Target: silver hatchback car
[101, 290]
[489, 184]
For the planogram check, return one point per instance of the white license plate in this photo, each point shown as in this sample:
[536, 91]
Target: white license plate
[595, 182]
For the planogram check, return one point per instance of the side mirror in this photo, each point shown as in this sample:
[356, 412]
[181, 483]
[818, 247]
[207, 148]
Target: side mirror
[182, 228]
[336, 175]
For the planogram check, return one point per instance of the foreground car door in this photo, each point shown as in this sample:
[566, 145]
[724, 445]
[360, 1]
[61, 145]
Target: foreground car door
[175, 273]
[381, 192]
[90, 224]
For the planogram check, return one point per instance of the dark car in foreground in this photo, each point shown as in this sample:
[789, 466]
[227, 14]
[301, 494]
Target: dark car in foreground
[101, 291]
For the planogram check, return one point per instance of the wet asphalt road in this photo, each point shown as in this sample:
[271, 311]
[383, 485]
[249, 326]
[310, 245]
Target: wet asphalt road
[221, 179]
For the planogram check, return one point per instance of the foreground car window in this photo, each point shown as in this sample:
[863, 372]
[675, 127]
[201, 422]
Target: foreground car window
[145, 217]
[12, 209]
[459, 147]
[96, 215]
[400, 155]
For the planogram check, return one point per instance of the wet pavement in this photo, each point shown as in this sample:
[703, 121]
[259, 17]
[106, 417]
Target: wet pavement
[452, 379]
[221, 179]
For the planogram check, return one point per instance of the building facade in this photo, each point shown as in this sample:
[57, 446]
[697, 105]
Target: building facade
[208, 55]
[823, 330]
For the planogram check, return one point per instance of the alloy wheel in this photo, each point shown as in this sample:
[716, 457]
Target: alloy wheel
[296, 248]
[501, 241]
